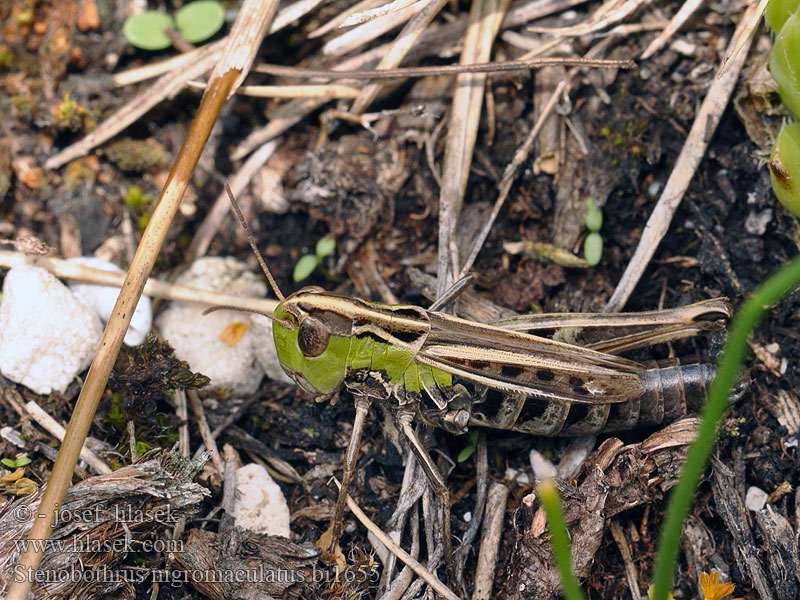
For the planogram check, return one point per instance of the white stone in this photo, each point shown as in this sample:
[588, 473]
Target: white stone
[755, 499]
[103, 297]
[518, 477]
[542, 468]
[47, 334]
[259, 505]
[12, 436]
[196, 337]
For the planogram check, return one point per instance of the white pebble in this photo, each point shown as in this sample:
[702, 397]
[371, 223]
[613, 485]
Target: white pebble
[196, 337]
[542, 468]
[756, 222]
[259, 504]
[518, 477]
[653, 189]
[12, 436]
[47, 334]
[103, 297]
[755, 499]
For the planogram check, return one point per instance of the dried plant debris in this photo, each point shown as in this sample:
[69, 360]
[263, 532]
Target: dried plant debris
[615, 479]
[350, 184]
[243, 565]
[149, 372]
[102, 522]
[772, 566]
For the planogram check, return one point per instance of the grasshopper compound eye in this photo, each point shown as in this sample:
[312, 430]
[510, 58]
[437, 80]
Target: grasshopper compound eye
[312, 337]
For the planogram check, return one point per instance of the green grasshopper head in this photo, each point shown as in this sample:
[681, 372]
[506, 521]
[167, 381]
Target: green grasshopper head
[311, 341]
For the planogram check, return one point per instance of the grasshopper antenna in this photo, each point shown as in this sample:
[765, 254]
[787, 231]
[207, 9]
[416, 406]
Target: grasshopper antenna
[252, 242]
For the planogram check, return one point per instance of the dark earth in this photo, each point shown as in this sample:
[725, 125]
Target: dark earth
[376, 195]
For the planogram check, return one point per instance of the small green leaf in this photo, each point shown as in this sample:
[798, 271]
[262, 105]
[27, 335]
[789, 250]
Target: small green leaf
[198, 21]
[465, 453]
[325, 247]
[9, 462]
[22, 461]
[146, 30]
[304, 267]
[469, 449]
[593, 248]
[593, 217]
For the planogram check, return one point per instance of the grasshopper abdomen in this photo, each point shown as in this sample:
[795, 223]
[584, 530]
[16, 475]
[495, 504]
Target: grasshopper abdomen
[670, 391]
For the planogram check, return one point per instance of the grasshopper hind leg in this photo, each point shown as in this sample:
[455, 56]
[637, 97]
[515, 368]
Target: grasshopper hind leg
[437, 483]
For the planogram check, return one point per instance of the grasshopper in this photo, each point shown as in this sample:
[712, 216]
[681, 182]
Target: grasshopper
[452, 373]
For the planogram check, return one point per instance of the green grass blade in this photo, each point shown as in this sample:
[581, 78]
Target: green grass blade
[752, 311]
[559, 539]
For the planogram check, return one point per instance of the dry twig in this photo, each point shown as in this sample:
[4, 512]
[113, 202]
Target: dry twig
[689, 159]
[401, 554]
[57, 431]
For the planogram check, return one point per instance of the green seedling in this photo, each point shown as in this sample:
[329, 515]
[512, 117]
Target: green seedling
[198, 21]
[195, 22]
[308, 262]
[16, 463]
[469, 449]
[593, 244]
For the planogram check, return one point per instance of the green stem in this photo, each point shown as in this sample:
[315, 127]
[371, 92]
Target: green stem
[559, 539]
[752, 311]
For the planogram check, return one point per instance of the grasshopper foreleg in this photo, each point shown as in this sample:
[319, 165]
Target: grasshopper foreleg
[404, 420]
[350, 458]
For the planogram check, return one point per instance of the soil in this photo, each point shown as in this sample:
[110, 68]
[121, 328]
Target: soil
[375, 193]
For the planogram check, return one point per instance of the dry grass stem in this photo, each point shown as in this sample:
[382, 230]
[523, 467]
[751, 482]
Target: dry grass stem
[627, 559]
[154, 288]
[361, 35]
[363, 16]
[164, 87]
[182, 414]
[510, 173]
[205, 431]
[399, 49]
[522, 64]
[222, 205]
[323, 92]
[493, 522]
[340, 18]
[55, 429]
[692, 153]
[169, 65]
[751, 20]
[433, 41]
[612, 11]
[401, 554]
[485, 19]
[686, 11]
[176, 73]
